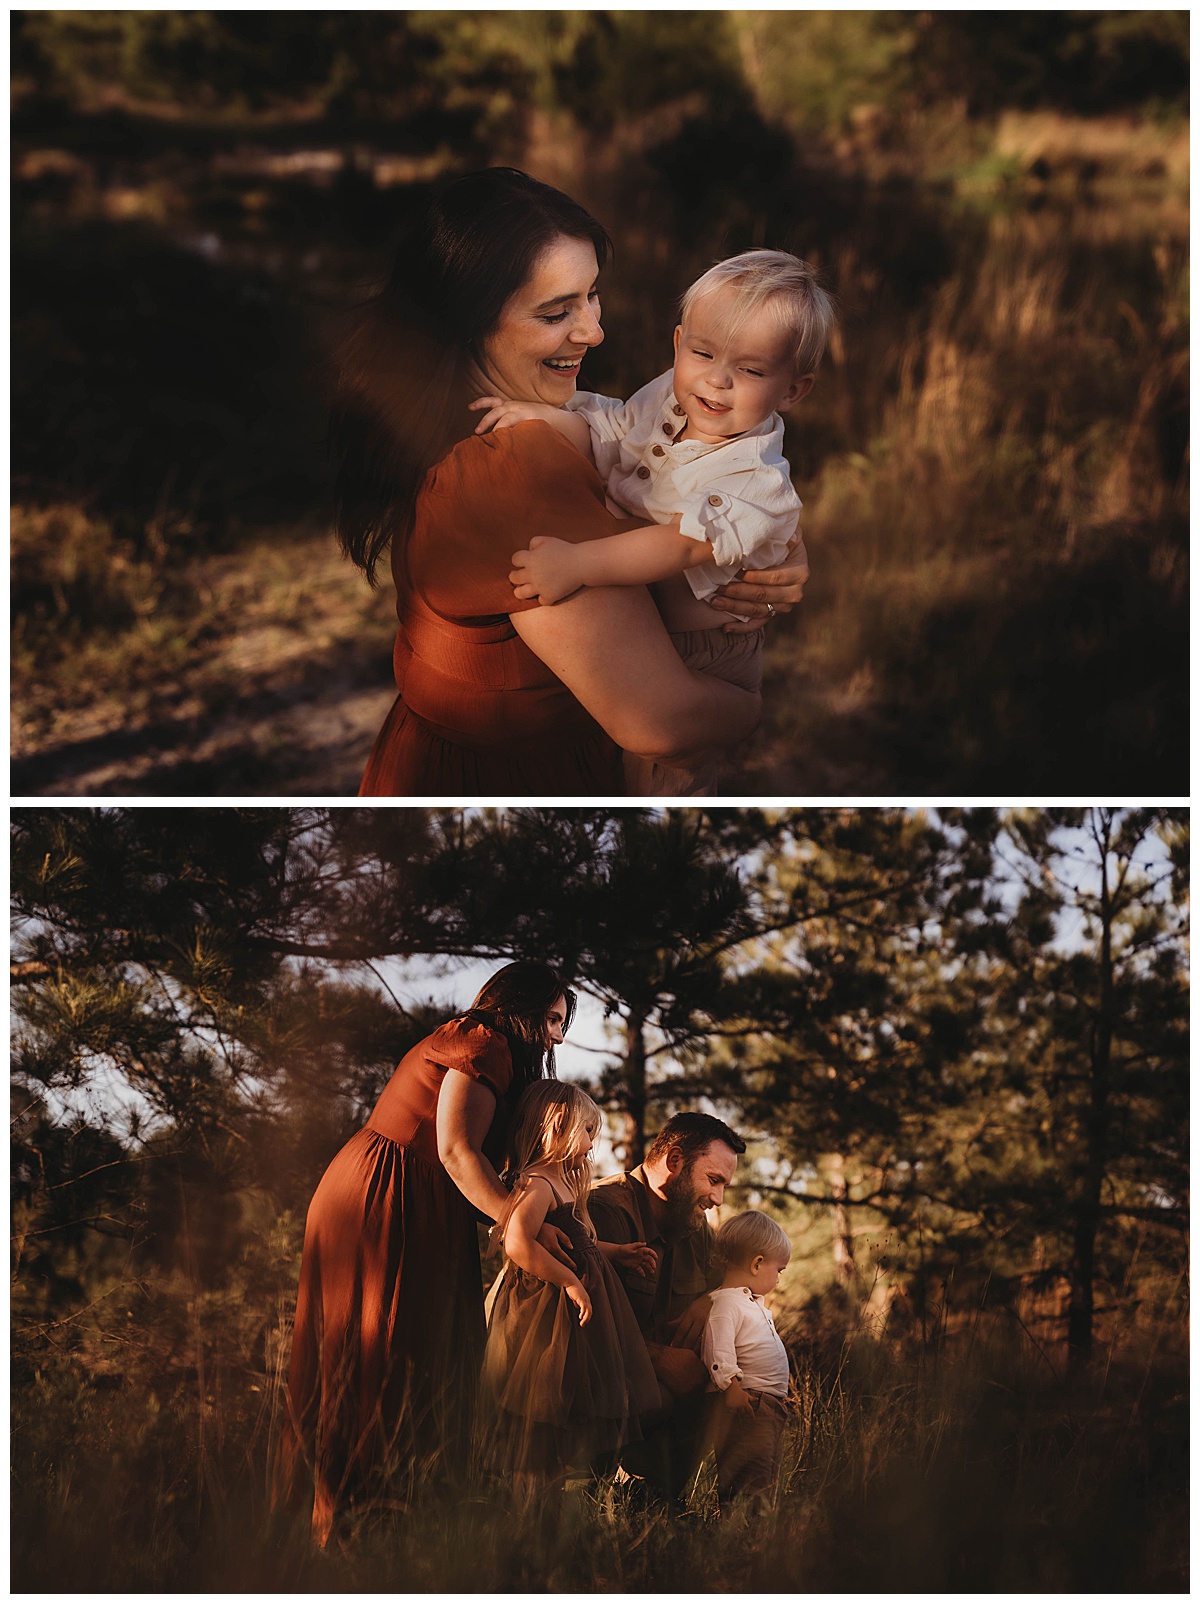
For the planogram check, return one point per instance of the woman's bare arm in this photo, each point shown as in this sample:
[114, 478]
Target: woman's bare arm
[611, 651]
[464, 1113]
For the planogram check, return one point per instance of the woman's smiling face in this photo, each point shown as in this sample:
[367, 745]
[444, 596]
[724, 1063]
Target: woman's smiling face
[534, 352]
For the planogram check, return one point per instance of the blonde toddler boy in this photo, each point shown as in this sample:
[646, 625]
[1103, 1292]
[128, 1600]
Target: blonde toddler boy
[746, 1361]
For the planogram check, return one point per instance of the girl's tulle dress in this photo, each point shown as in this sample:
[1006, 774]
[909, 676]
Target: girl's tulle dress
[557, 1394]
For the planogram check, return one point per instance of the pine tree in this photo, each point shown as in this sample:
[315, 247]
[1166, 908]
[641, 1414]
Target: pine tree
[1091, 1042]
[851, 1011]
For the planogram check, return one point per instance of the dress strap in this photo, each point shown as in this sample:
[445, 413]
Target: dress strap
[520, 1186]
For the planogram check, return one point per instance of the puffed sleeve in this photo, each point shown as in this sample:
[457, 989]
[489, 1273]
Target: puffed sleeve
[748, 517]
[485, 501]
[718, 1345]
[473, 1050]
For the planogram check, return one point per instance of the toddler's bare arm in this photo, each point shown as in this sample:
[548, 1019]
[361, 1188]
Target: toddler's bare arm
[554, 569]
[502, 414]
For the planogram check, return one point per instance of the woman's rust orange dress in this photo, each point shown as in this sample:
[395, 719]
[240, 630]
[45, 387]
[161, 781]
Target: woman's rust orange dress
[478, 713]
[389, 1332]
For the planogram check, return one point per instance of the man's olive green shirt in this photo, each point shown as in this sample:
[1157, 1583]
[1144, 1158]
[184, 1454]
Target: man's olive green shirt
[620, 1211]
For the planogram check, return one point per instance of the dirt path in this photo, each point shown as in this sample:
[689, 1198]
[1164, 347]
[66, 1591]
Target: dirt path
[274, 682]
[285, 680]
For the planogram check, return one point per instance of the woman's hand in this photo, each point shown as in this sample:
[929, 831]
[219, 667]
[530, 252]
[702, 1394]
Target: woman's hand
[577, 1293]
[635, 1256]
[557, 1244]
[764, 593]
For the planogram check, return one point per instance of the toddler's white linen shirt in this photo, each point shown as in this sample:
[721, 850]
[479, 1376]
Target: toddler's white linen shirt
[738, 495]
[740, 1340]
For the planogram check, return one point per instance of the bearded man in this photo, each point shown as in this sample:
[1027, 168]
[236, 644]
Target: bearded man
[662, 1204]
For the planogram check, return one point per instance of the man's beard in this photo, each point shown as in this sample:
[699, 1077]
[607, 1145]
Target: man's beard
[683, 1212]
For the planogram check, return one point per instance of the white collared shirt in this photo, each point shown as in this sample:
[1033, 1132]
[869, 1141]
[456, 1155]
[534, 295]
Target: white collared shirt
[740, 1340]
[737, 495]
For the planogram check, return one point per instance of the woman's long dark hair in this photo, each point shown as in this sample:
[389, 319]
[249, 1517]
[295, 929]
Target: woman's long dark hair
[515, 1001]
[402, 392]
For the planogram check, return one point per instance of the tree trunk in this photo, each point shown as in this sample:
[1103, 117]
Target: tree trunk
[1080, 1309]
[843, 1241]
[633, 1150]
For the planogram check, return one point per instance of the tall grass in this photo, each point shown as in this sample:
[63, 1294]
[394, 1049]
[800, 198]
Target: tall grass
[968, 1462]
[1000, 568]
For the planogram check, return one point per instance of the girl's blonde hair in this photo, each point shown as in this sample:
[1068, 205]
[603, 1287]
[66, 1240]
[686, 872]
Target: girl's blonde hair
[745, 1236]
[551, 1118]
[785, 283]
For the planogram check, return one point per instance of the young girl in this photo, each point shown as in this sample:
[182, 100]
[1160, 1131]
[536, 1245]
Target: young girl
[566, 1373]
[699, 450]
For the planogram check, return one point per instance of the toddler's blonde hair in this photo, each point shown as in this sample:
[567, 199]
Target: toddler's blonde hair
[745, 1236]
[785, 283]
[550, 1119]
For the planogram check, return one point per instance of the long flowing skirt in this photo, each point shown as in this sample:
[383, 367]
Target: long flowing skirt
[389, 1331]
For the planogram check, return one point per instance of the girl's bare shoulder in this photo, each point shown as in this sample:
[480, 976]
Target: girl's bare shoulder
[546, 1179]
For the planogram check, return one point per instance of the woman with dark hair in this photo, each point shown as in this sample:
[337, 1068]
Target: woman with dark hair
[494, 292]
[389, 1331]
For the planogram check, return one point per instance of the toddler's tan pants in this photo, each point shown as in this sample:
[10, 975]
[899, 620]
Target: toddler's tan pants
[748, 1448]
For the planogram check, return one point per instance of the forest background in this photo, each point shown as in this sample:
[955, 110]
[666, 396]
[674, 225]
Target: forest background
[957, 1045]
[993, 460]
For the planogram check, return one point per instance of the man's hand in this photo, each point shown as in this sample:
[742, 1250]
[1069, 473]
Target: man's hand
[635, 1256]
[763, 594]
[680, 1371]
[549, 570]
[502, 414]
[689, 1327]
